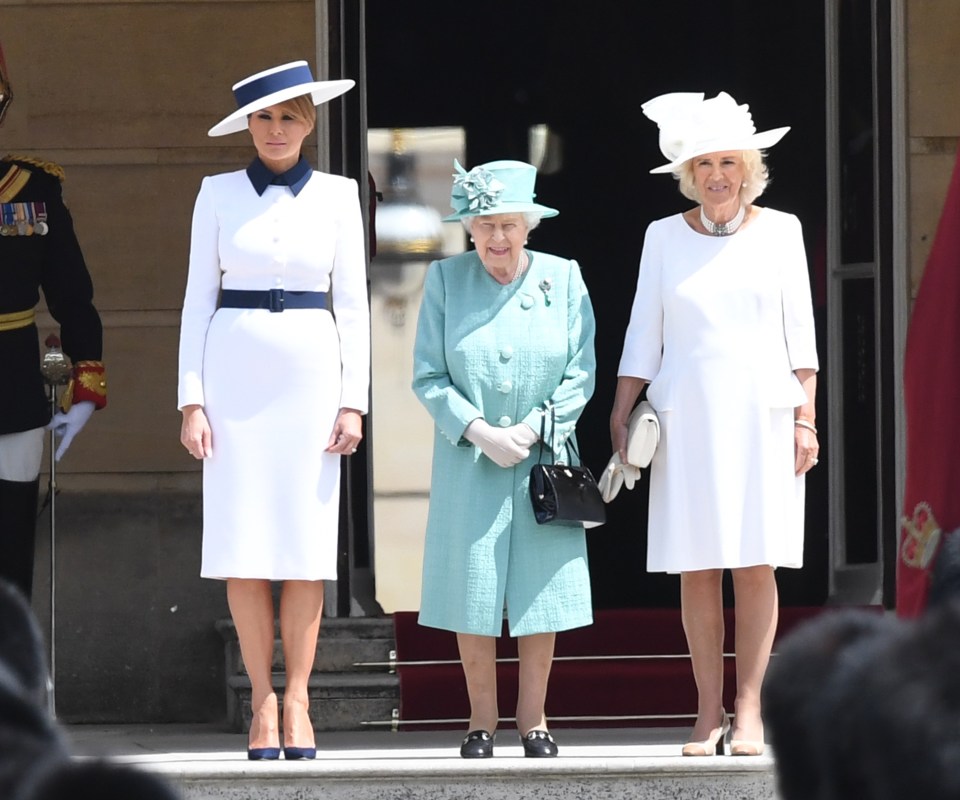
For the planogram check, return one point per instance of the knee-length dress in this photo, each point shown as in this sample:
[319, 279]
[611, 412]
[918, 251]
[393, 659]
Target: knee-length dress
[718, 326]
[271, 384]
[501, 353]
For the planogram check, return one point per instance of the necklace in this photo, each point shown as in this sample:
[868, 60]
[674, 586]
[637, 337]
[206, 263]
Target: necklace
[517, 272]
[521, 266]
[723, 228]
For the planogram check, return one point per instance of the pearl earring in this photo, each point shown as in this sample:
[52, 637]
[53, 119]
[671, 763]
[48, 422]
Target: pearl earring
[472, 239]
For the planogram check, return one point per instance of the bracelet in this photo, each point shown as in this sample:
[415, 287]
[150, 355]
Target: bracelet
[805, 423]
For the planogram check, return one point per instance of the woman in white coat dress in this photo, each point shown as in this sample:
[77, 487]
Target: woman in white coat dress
[273, 385]
[722, 330]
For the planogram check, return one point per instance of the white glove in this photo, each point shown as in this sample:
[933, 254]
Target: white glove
[67, 425]
[505, 447]
[523, 434]
[615, 475]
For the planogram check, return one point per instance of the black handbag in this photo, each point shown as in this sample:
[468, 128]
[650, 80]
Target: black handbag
[564, 493]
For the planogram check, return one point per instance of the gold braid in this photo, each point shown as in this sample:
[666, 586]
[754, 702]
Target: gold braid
[47, 166]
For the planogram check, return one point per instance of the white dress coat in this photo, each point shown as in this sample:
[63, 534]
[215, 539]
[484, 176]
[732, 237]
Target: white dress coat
[271, 384]
[718, 326]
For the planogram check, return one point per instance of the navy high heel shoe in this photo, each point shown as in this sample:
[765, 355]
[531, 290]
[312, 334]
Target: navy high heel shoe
[297, 753]
[263, 753]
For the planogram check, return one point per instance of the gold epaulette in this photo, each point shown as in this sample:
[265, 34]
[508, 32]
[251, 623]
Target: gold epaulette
[47, 166]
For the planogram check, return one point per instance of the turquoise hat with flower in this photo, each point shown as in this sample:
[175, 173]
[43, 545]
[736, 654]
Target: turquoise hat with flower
[497, 187]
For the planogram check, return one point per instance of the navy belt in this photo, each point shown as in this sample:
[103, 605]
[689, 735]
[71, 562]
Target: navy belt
[272, 299]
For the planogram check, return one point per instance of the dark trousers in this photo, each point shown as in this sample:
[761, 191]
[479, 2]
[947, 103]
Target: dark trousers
[18, 531]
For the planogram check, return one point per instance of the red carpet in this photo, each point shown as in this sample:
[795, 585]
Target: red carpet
[641, 692]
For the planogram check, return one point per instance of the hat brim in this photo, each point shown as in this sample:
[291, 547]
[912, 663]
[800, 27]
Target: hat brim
[504, 208]
[756, 141]
[319, 91]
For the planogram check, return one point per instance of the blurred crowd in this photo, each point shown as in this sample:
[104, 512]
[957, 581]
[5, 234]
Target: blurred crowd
[867, 705]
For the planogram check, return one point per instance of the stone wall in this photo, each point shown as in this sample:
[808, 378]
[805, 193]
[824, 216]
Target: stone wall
[933, 118]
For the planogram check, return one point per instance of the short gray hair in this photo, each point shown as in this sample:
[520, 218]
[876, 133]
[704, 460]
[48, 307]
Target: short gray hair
[531, 218]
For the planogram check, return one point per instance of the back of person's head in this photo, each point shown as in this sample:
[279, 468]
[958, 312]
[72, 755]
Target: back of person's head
[100, 780]
[27, 731]
[945, 572]
[837, 717]
[793, 691]
[27, 734]
[21, 641]
[906, 713]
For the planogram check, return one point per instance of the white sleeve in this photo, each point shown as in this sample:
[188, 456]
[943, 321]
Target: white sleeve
[200, 297]
[643, 343]
[798, 327]
[351, 307]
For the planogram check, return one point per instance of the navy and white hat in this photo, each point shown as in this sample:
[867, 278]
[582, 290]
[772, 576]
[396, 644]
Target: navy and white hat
[274, 86]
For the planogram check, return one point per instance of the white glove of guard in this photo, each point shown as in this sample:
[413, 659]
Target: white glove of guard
[505, 447]
[615, 475]
[69, 424]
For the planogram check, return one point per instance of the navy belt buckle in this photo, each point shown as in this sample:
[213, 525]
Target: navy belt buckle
[276, 300]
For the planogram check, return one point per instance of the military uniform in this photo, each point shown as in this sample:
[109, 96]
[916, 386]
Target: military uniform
[38, 250]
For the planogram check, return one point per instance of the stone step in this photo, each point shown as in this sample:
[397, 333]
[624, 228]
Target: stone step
[620, 764]
[572, 780]
[344, 643]
[339, 701]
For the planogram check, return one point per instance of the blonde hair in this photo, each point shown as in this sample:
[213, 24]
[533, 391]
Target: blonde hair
[301, 108]
[756, 177]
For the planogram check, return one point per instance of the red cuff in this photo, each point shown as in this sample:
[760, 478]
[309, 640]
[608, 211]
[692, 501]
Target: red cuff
[89, 382]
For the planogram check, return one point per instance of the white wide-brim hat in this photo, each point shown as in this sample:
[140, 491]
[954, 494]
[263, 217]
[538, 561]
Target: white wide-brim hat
[274, 86]
[691, 126]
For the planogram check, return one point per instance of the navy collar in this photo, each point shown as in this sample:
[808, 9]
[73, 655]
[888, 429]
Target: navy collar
[296, 177]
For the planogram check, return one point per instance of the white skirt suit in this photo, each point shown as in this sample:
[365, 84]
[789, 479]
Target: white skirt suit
[718, 326]
[271, 384]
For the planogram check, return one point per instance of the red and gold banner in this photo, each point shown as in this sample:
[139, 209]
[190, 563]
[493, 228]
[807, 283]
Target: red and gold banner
[931, 381]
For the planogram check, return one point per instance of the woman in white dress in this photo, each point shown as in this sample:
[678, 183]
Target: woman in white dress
[722, 330]
[273, 385]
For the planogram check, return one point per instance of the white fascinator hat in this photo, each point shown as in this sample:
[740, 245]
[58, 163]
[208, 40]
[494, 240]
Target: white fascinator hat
[275, 85]
[691, 126]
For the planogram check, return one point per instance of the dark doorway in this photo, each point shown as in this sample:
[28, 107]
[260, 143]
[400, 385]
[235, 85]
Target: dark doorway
[497, 68]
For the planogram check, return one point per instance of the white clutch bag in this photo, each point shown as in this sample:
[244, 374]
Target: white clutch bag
[643, 434]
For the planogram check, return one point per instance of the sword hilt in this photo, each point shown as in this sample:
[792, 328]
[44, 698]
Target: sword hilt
[55, 366]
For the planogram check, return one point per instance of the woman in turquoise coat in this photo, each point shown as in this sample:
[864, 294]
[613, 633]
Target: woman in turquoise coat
[504, 349]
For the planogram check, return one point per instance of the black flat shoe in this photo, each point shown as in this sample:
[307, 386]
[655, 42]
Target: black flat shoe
[477, 744]
[538, 744]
